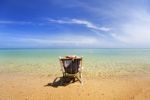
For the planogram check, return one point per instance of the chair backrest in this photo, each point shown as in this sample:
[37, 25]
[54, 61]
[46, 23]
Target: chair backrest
[71, 66]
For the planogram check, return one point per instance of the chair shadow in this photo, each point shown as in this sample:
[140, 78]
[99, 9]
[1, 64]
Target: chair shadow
[61, 81]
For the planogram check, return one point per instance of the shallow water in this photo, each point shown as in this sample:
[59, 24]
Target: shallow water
[95, 61]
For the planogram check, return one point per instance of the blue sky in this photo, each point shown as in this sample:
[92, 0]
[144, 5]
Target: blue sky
[74, 24]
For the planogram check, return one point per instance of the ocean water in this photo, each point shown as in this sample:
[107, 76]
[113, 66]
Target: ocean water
[99, 62]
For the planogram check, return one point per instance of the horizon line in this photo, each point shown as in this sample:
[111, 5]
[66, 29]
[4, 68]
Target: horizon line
[78, 48]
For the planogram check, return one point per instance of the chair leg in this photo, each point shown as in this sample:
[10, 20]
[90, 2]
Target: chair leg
[80, 75]
[74, 79]
[79, 79]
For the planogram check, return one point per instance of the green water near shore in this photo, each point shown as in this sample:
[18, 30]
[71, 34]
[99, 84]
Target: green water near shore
[95, 61]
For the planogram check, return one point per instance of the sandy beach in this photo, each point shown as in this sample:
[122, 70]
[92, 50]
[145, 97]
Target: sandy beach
[46, 44]
[23, 86]
[28, 74]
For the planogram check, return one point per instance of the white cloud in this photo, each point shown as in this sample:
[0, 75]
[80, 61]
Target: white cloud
[60, 40]
[136, 30]
[129, 20]
[81, 22]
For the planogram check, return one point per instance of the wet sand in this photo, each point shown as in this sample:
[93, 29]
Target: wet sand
[24, 86]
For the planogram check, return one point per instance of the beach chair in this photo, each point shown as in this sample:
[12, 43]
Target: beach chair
[71, 66]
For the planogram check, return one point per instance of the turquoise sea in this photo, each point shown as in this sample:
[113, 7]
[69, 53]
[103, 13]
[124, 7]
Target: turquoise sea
[99, 62]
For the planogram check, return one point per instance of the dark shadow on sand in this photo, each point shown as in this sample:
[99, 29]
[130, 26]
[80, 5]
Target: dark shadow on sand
[61, 81]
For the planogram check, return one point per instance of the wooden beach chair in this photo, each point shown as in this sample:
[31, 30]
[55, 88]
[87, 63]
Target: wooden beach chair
[72, 66]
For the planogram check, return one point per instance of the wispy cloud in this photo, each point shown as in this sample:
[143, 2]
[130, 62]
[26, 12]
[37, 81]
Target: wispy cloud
[135, 29]
[14, 22]
[129, 20]
[45, 41]
[121, 23]
[86, 23]
[76, 40]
